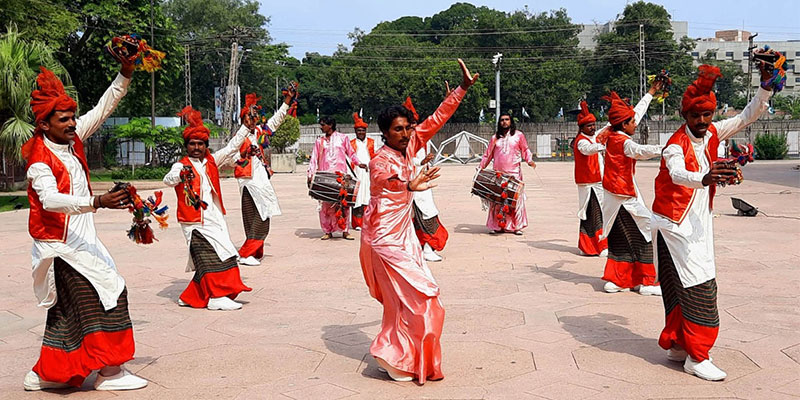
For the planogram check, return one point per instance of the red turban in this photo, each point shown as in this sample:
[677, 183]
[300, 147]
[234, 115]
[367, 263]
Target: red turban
[698, 96]
[50, 96]
[359, 123]
[250, 100]
[585, 117]
[620, 111]
[410, 107]
[195, 129]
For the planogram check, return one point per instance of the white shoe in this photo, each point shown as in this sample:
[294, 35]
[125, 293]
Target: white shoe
[34, 382]
[223, 303]
[518, 233]
[604, 253]
[358, 228]
[677, 354]
[182, 303]
[705, 369]
[610, 287]
[124, 380]
[429, 254]
[394, 373]
[249, 261]
[649, 290]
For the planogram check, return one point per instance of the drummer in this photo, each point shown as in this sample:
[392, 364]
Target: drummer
[365, 149]
[506, 150]
[331, 154]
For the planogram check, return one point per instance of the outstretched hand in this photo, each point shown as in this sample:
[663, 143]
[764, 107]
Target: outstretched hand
[423, 180]
[720, 172]
[467, 79]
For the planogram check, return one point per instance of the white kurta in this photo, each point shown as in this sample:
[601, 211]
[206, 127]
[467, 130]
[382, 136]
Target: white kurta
[259, 185]
[362, 152]
[424, 199]
[691, 243]
[83, 250]
[213, 228]
[588, 146]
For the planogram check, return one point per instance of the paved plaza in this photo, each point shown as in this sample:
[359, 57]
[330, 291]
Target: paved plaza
[526, 317]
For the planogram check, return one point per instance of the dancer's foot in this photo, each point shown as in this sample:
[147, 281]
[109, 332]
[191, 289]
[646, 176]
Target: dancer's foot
[346, 236]
[645, 290]
[604, 253]
[704, 369]
[123, 380]
[223, 303]
[611, 287]
[430, 254]
[249, 261]
[326, 236]
[34, 382]
[394, 373]
[518, 233]
[182, 303]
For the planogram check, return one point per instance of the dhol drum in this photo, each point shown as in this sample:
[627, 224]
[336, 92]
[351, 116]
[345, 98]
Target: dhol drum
[334, 187]
[497, 187]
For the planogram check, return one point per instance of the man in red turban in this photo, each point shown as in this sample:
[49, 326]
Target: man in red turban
[683, 222]
[365, 151]
[626, 219]
[589, 177]
[88, 325]
[201, 212]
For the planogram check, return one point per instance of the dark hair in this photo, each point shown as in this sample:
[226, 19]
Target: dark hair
[618, 127]
[388, 115]
[328, 120]
[512, 129]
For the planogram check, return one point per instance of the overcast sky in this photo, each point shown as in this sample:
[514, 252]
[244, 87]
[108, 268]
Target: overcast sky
[320, 25]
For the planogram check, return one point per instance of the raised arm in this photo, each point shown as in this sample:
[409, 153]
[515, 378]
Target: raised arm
[225, 155]
[90, 122]
[173, 177]
[427, 128]
[276, 120]
[641, 151]
[758, 104]
[641, 107]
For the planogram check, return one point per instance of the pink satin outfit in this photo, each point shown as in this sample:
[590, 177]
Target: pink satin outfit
[331, 154]
[506, 155]
[392, 261]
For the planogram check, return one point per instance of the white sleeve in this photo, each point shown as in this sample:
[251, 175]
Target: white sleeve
[641, 107]
[173, 177]
[90, 122]
[729, 127]
[673, 158]
[641, 151]
[44, 183]
[276, 120]
[224, 156]
[588, 148]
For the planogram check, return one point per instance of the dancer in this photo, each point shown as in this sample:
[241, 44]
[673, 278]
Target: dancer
[589, 178]
[88, 326]
[431, 233]
[331, 154]
[391, 257]
[253, 172]
[365, 151]
[626, 220]
[683, 222]
[212, 255]
[506, 150]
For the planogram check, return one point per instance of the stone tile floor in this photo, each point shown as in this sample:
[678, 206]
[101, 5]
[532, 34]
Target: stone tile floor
[526, 315]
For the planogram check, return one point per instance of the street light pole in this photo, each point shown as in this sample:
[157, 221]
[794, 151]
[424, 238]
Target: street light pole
[496, 60]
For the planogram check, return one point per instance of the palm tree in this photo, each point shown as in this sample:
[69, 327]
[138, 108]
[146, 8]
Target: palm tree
[19, 64]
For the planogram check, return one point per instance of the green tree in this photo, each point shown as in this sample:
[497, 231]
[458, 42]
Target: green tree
[286, 135]
[788, 104]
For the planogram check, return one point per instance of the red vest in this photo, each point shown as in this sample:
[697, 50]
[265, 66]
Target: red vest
[618, 168]
[187, 213]
[370, 147]
[587, 168]
[672, 201]
[247, 170]
[42, 224]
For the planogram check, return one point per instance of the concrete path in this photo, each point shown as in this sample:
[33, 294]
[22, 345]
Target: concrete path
[526, 315]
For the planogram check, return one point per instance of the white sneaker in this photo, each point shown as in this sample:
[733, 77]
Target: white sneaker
[429, 254]
[223, 303]
[34, 382]
[611, 287]
[604, 253]
[394, 373]
[358, 228]
[182, 303]
[249, 261]
[124, 380]
[705, 369]
[518, 233]
[649, 290]
[677, 354]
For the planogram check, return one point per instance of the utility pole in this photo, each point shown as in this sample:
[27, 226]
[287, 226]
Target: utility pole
[642, 77]
[497, 60]
[276, 92]
[750, 48]
[230, 90]
[187, 76]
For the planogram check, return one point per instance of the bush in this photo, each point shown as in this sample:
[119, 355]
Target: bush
[140, 173]
[771, 146]
[286, 135]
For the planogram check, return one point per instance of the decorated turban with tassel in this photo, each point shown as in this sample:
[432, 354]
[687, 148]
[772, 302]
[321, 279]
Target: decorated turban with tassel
[195, 128]
[698, 95]
[619, 111]
[585, 117]
[410, 107]
[359, 123]
[250, 100]
[50, 96]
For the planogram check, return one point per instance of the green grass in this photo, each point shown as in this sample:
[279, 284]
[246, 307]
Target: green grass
[10, 203]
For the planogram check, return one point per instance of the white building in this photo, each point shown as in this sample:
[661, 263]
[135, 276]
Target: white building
[586, 38]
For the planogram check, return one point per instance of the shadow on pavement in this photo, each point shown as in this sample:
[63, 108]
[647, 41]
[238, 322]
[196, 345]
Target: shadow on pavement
[471, 228]
[174, 290]
[348, 340]
[551, 245]
[555, 271]
[307, 233]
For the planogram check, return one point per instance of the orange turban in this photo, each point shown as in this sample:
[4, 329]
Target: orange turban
[698, 95]
[195, 129]
[359, 123]
[250, 100]
[620, 111]
[50, 96]
[585, 117]
[410, 107]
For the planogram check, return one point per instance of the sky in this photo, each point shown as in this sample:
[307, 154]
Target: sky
[320, 25]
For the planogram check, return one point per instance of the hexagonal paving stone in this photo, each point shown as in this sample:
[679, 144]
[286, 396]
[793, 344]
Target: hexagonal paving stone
[618, 320]
[282, 321]
[475, 318]
[477, 287]
[793, 352]
[221, 365]
[565, 391]
[786, 316]
[641, 361]
[323, 391]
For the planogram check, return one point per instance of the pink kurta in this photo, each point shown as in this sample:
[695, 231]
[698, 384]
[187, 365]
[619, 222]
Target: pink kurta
[392, 262]
[331, 154]
[506, 154]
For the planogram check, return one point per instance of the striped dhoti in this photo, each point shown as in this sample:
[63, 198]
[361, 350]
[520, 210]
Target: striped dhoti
[692, 318]
[80, 335]
[591, 228]
[212, 277]
[429, 231]
[255, 229]
[630, 256]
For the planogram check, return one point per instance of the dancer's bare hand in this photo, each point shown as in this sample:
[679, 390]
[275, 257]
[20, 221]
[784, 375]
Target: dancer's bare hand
[114, 200]
[720, 172]
[532, 164]
[467, 79]
[423, 180]
[427, 159]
